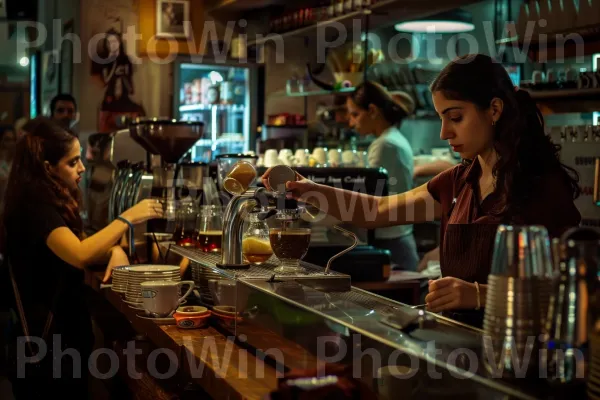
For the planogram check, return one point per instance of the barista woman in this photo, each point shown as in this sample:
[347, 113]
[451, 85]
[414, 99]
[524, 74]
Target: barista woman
[511, 174]
[373, 110]
[47, 256]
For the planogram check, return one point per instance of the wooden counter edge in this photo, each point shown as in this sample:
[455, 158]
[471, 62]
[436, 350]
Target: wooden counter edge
[226, 369]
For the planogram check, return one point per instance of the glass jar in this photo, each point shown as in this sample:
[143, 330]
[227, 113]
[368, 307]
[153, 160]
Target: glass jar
[185, 224]
[256, 245]
[210, 228]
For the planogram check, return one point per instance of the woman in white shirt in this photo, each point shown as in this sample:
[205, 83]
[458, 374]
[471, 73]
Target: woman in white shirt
[373, 110]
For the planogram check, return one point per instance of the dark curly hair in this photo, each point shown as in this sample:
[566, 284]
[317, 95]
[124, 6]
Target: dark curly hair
[525, 152]
[29, 178]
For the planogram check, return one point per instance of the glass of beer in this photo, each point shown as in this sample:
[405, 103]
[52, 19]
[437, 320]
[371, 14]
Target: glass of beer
[290, 246]
[239, 178]
[210, 229]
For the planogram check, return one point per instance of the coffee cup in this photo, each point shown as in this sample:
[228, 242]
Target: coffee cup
[239, 178]
[161, 298]
[271, 158]
[349, 157]
[319, 155]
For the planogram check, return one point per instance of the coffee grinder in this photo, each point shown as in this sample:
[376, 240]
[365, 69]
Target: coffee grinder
[166, 142]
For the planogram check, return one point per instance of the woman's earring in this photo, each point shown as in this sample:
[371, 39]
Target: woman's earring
[493, 123]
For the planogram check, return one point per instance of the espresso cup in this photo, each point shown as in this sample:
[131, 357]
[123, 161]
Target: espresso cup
[161, 298]
[239, 178]
[271, 158]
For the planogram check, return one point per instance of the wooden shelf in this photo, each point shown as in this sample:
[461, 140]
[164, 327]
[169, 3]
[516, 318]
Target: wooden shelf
[567, 101]
[547, 50]
[574, 94]
[383, 13]
[222, 6]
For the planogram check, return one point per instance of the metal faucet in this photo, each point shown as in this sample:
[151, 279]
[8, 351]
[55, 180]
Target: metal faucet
[253, 200]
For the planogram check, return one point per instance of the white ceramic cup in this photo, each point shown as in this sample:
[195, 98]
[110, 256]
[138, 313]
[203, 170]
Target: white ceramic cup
[349, 157]
[319, 155]
[271, 158]
[161, 298]
[285, 156]
[334, 156]
[301, 157]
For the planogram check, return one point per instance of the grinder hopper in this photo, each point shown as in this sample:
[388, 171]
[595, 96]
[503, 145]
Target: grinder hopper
[170, 139]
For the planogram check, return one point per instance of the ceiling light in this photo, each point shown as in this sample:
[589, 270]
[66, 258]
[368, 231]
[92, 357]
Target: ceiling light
[454, 21]
[24, 61]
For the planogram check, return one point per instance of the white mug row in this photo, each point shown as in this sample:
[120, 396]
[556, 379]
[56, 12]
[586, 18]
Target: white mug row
[320, 156]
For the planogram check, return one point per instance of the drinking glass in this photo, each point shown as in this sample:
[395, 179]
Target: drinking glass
[185, 224]
[210, 228]
[240, 177]
[290, 246]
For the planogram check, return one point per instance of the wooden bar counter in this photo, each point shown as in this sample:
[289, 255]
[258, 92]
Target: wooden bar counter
[207, 361]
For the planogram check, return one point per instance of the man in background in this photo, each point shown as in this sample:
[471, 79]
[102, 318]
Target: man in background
[63, 109]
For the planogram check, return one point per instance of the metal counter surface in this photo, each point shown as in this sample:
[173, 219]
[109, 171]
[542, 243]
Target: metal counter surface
[348, 311]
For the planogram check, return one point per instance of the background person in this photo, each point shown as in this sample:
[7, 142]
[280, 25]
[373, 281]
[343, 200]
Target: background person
[372, 110]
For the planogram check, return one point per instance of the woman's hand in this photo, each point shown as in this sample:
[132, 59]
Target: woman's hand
[117, 259]
[297, 189]
[143, 211]
[451, 294]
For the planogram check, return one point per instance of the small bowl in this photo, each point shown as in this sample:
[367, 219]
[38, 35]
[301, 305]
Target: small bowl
[191, 320]
[192, 311]
[226, 311]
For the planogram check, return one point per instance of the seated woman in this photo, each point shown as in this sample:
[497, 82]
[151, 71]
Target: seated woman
[46, 257]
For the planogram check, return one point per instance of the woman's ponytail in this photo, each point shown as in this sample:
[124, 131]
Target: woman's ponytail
[393, 110]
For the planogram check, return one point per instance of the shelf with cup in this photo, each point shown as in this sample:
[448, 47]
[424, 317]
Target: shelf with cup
[210, 107]
[313, 93]
[557, 45]
[567, 100]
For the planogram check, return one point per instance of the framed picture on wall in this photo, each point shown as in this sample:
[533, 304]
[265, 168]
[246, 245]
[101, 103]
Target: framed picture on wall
[172, 19]
[66, 60]
[49, 78]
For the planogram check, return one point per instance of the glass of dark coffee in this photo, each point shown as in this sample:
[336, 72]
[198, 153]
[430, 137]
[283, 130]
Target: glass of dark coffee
[290, 246]
[210, 229]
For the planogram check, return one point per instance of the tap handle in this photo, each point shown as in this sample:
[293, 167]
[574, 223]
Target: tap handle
[262, 215]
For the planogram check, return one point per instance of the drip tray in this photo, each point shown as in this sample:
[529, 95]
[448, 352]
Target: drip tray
[313, 277]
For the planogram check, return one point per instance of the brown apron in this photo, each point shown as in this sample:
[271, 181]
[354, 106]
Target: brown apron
[467, 254]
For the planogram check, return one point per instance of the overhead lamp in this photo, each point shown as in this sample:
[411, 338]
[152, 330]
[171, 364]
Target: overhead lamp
[454, 21]
[24, 61]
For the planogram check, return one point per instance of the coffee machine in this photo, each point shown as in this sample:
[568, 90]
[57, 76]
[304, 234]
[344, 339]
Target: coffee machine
[166, 143]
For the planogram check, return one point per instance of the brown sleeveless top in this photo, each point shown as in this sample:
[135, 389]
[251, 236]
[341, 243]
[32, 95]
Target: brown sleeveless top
[468, 230]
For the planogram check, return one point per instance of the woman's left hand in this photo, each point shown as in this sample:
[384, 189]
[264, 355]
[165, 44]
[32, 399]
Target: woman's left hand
[118, 258]
[450, 294]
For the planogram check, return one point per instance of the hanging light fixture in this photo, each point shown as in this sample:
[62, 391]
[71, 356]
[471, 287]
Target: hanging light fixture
[454, 21]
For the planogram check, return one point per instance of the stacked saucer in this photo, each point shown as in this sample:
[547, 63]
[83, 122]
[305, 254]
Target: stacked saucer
[119, 279]
[143, 273]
